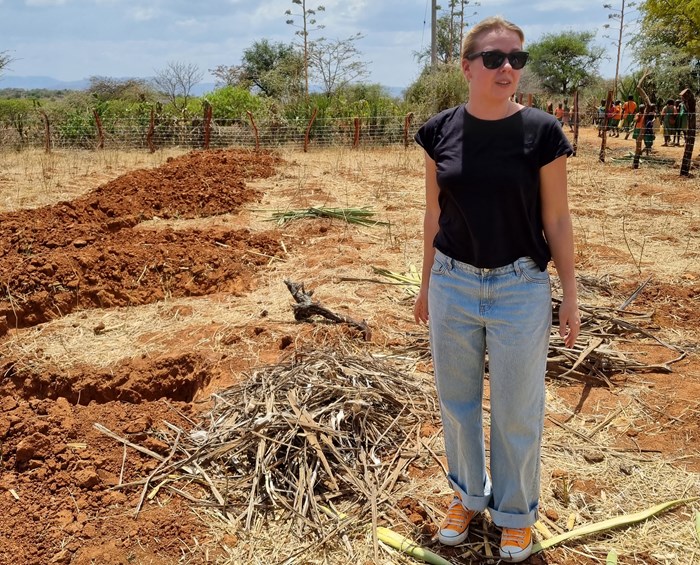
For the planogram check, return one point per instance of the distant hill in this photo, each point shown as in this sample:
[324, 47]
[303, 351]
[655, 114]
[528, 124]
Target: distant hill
[50, 83]
[40, 82]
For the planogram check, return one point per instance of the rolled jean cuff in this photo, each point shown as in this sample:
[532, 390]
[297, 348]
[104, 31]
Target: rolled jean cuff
[505, 520]
[478, 503]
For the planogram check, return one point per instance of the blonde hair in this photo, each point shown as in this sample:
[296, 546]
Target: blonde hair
[484, 26]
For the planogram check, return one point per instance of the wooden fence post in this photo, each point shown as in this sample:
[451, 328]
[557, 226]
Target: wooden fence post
[689, 101]
[407, 124]
[308, 130]
[608, 103]
[207, 124]
[356, 137]
[255, 129]
[100, 131]
[151, 129]
[47, 132]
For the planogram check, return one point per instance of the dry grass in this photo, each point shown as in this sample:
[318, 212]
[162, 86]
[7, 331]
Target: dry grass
[629, 225]
[33, 178]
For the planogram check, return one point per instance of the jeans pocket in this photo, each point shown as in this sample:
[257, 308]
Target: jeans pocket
[531, 272]
[439, 266]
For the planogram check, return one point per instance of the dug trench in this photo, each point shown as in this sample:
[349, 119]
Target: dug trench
[97, 252]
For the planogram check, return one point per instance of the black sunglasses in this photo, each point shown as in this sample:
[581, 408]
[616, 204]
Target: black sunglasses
[494, 59]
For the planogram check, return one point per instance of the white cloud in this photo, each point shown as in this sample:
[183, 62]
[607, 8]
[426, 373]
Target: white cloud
[143, 14]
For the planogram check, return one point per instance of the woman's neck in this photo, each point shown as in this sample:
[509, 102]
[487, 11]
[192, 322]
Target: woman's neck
[485, 111]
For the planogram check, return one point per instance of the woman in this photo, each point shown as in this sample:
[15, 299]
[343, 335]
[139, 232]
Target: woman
[496, 213]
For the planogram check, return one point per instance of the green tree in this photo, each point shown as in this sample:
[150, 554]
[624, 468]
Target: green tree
[232, 102]
[337, 63]
[673, 22]
[565, 61]
[308, 24]
[274, 69]
[669, 44]
[16, 114]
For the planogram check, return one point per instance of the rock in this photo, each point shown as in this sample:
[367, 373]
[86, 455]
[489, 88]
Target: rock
[552, 514]
[594, 457]
[87, 478]
[36, 446]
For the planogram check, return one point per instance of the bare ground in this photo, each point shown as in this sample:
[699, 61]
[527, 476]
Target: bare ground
[133, 289]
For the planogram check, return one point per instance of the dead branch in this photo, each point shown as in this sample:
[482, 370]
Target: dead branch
[305, 309]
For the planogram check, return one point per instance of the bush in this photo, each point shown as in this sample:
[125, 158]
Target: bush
[232, 103]
[436, 90]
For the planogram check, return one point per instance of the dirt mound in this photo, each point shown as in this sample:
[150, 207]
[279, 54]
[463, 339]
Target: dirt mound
[57, 471]
[86, 253]
[176, 377]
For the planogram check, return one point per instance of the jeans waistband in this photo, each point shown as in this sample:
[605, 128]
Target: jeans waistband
[515, 267]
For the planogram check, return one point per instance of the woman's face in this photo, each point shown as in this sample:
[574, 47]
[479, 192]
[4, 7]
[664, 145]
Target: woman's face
[498, 84]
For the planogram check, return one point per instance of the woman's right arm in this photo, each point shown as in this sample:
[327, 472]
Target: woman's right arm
[430, 229]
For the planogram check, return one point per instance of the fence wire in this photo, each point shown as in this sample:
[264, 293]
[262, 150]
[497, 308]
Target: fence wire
[32, 132]
[135, 134]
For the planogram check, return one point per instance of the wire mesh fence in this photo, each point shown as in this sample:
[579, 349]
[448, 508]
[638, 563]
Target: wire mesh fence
[37, 130]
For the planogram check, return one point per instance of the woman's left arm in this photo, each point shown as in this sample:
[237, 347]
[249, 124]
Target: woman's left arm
[559, 233]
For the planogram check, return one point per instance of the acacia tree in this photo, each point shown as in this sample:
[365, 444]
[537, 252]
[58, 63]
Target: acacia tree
[274, 69]
[308, 24]
[336, 63]
[176, 81]
[5, 60]
[565, 61]
[108, 88]
[228, 75]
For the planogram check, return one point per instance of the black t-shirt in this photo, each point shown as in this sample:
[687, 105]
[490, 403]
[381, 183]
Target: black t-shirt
[488, 175]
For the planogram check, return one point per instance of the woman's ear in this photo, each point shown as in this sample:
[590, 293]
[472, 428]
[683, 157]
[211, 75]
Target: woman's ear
[466, 70]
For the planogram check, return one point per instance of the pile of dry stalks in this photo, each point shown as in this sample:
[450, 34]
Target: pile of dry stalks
[321, 427]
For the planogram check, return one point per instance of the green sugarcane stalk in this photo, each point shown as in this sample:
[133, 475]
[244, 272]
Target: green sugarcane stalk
[611, 523]
[351, 215]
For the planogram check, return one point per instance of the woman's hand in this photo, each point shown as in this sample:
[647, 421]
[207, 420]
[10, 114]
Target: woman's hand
[420, 308]
[569, 322]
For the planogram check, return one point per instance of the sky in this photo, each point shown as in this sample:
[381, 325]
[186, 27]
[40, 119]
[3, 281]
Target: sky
[72, 40]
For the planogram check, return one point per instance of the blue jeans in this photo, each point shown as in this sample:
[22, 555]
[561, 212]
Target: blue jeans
[506, 311]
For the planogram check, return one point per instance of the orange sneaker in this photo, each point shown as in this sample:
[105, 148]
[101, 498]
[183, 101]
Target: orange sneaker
[516, 544]
[455, 527]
